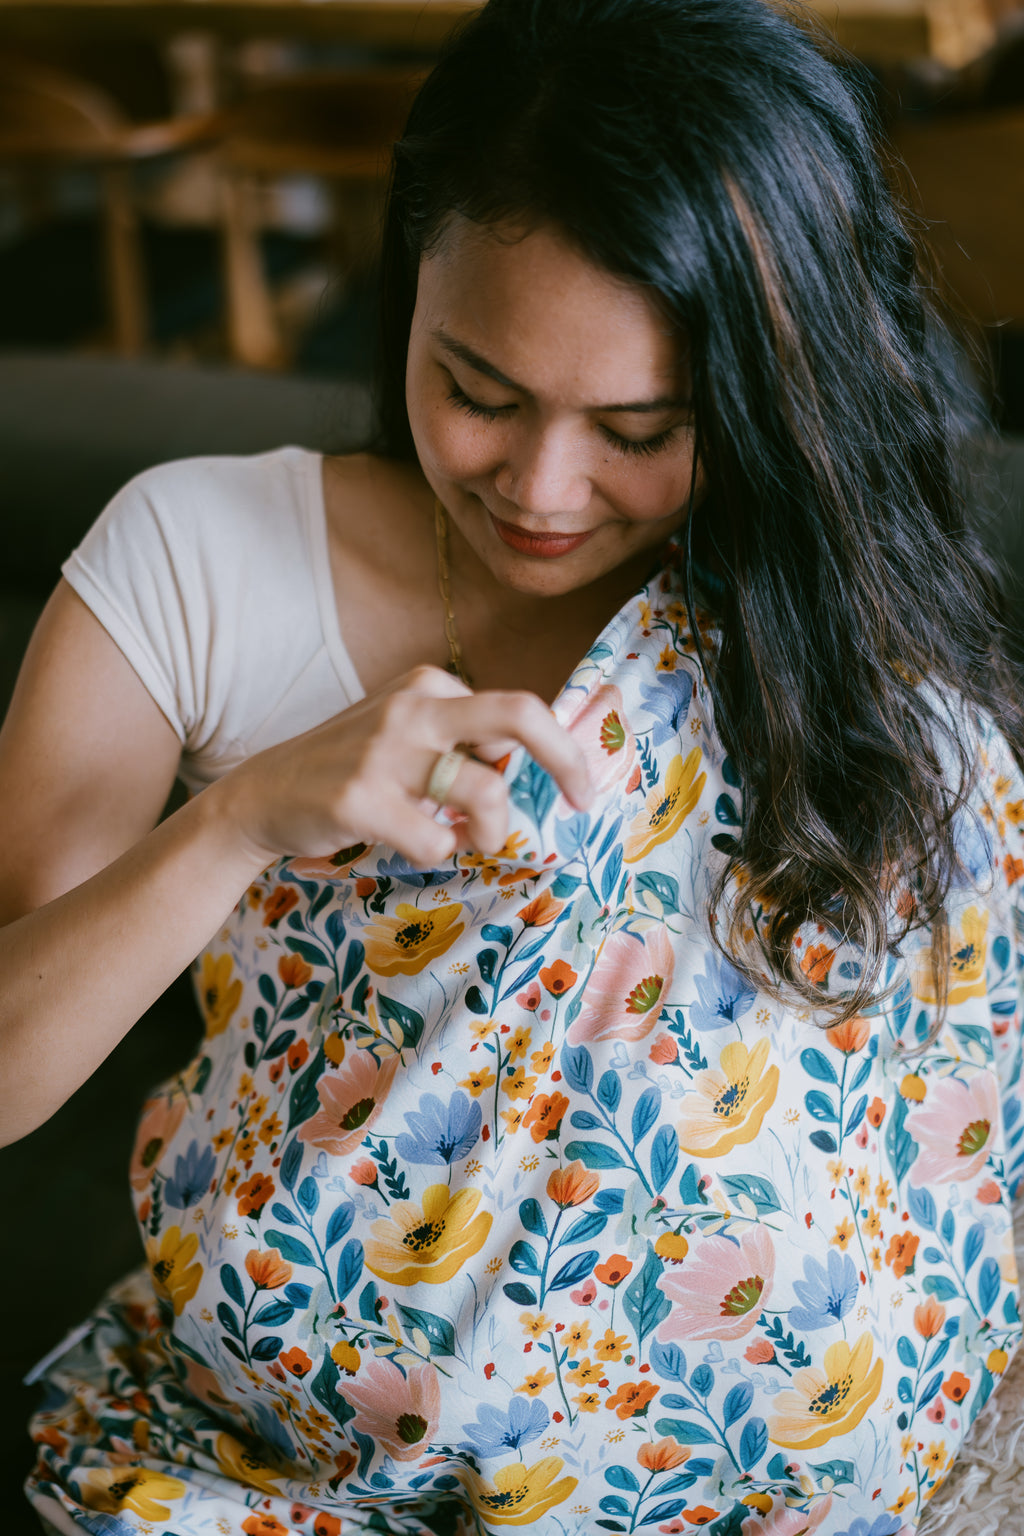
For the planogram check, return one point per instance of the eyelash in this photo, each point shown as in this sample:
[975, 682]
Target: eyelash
[643, 447]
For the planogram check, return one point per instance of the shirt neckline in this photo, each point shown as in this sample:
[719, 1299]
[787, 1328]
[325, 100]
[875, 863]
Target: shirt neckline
[326, 598]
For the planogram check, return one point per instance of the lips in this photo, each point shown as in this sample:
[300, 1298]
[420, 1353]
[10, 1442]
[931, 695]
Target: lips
[543, 546]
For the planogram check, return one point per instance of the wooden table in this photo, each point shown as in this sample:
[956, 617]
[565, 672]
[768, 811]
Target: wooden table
[879, 30]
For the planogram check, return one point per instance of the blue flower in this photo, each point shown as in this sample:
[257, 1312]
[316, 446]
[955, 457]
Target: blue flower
[884, 1525]
[441, 1133]
[725, 995]
[973, 847]
[827, 1295]
[497, 1432]
[192, 1175]
[669, 703]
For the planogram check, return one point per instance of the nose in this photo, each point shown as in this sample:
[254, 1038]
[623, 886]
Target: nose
[544, 473]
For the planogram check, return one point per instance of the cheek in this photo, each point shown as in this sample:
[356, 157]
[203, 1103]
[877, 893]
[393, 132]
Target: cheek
[452, 443]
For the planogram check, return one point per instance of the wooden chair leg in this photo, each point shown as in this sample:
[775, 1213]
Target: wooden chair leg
[126, 298]
[253, 338]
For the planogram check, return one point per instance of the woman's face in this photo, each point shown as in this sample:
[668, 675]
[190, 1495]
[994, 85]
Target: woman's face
[548, 404]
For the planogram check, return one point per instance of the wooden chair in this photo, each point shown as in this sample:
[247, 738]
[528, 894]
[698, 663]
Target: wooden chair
[338, 127]
[50, 121]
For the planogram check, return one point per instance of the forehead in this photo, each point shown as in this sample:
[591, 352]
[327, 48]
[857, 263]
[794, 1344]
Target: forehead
[544, 315]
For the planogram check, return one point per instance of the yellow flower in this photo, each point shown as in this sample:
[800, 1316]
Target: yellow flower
[862, 1183]
[935, 1456]
[513, 1118]
[408, 941]
[584, 1373]
[518, 1085]
[729, 1105]
[824, 1403]
[520, 1042]
[219, 996]
[541, 1060]
[842, 1234]
[997, 1361]
[520, 1495]
[241, 1464]
[872, 1223]
[347, 1358]
[111, 1489]
[170, 1262]
[536, 1381]
[611, 1345]
[588, 1402]
[672, 1246]
[966, 961]
[578, 1338]
[429, 1245]
[477, 1082]
[667, 807]
[905, 1498]
[535, 1323]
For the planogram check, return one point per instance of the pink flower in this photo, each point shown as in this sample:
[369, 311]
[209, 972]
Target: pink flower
[989, 1192]
[721, 1290]
[157, 1128]
[350, 1101]
[530, 998]
[363, 1172]
[397, 1412]
[627, 988]
[760, 1352]
[664, 1050]
[937, 1411]
[782, 1521]
[585, 1295]
[602, 732]
[953, 1129]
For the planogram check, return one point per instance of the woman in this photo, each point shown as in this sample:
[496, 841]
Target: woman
[607, 1112]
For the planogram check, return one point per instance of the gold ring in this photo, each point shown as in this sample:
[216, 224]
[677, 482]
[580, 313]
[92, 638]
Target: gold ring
[443, 775]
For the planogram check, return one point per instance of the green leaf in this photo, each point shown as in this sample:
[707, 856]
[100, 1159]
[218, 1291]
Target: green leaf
[439, 1331]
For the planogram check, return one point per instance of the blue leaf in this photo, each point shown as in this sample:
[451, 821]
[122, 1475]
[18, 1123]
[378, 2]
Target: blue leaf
[298, 1294]
[973, 1244]
[664, 1157]
[231, 1283]
[929, 1389]
[622, 1477]
[291, 1249]
[686, 1431]
[922, 1208]
[520, 1294]
[725, 812]
[667, 1511]
[753, 1443]
[341, 1219]
[645, 1112]
[524, 1259]
[907, 1353]
[268, 1348]
[988, 1284]
[577, 1068]
[487, 964]
[856, 1115]
[308, 1195]
[820, 1106]
[824, 1141]
[609, 1200]
[577, 1270]
[311, 953]
[703, 1380]
[760, 1191]
[838, 1470]
[939, 1287]
[368, 1303]
[268, 991]
[663, 888]
[354, 958]
[274, 1315]
[905, 1390]
[609, 1090]
[669, 1361]
[645, 1305]
[335, 926]
[228, 1320]
[594, 1154]
[583, 1120]
[816, 1064]
[532, 1218]
[494, 934]
[737, 1403]
[611, 872]
[282, 1213]
[948, 1227]
[440, 1333]
[475, 1001]
[590, 1225]
[614, 1504]
[350, 1266]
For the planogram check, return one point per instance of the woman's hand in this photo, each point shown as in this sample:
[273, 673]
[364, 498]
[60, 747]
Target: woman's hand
[362, 776]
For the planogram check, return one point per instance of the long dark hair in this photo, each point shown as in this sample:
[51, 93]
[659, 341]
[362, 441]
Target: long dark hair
[710, 151]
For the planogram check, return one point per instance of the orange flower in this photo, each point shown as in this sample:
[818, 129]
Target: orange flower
[363, 1172]
[760, 1352]
[267, 1271]
[614, 1270]
[293, 970]
[326, 1525]
[263, 1525]
[557, 978]
[663, 1455]
[545, 1114]
[254, 1194]
[816, 964]
[672, 1246]
[664, 1050]
[278, 904]
[929, 1318]
[572, 1185]
[876, 1112]
[631, 1398]
[541, 911]
[1013, 869]
[989, 1192]
[849, 1036]
[956, 1387]
[700, 1515]
[298, 1052]
[901, 1252]
[296, 1362]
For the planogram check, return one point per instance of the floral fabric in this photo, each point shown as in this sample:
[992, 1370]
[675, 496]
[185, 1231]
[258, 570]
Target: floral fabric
[495, 1197]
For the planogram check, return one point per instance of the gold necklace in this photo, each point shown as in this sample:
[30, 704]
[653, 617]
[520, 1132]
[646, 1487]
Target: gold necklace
[444, 587]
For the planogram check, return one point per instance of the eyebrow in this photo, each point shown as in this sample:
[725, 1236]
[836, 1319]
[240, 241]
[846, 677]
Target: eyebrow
[480, 364]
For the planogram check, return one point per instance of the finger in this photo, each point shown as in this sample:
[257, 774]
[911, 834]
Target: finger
[434, 682]
[480, 794]
[494, 717]
[412, 830]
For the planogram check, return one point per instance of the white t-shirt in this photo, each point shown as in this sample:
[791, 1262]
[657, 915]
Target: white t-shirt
[212, 576]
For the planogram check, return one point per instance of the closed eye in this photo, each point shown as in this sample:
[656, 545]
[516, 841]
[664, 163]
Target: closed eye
[643, 446]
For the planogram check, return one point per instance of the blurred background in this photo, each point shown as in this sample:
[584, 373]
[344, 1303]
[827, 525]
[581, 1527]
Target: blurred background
[189, 199]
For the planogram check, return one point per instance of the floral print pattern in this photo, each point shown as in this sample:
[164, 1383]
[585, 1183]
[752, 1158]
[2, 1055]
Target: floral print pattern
[496, 1197]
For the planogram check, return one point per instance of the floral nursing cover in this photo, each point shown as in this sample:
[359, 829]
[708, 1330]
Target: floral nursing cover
[496, 1198]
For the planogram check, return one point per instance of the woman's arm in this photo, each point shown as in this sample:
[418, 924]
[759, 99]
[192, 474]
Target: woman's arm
[102, 909]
